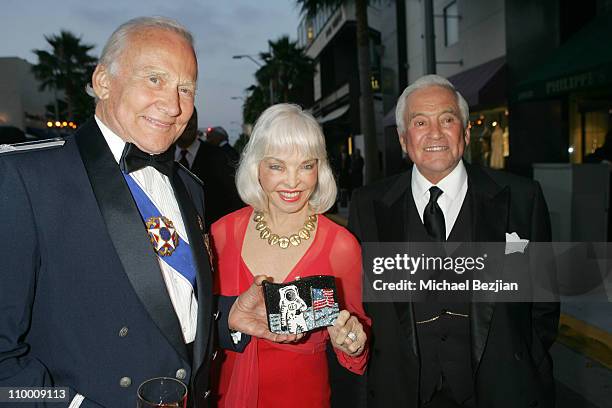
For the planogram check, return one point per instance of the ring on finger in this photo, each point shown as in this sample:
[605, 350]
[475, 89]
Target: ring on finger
[352, 336]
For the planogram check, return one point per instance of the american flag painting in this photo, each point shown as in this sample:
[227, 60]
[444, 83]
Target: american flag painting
[322, 298]
[313, 296]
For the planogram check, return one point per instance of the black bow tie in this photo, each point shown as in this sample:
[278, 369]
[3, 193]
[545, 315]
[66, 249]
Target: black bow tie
[133, 159]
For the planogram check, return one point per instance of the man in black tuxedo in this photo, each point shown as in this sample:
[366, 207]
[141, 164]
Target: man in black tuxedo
[209, 163]
[106, 280]
[460, 354]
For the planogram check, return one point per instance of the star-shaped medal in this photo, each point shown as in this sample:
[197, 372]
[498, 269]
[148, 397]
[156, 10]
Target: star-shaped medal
[163, 235]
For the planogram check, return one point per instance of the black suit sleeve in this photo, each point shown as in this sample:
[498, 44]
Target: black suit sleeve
[545, 315]
[353, 221]
[347, 388]
[19, 269]
[224, 305]
[18, 272]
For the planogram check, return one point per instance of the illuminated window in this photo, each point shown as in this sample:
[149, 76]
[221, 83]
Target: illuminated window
[375, 84]
[310, 33]
[451, 24]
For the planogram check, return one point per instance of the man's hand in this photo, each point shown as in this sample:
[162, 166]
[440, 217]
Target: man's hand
[347, 334]
[248, 315]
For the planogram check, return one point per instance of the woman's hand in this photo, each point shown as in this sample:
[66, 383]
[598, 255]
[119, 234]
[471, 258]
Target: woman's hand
[347, 334]
[248, 315]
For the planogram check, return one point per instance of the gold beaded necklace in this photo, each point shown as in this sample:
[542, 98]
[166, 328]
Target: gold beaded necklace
[295, 239]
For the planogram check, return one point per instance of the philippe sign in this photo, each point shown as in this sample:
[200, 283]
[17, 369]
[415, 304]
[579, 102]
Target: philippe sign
[570, 83]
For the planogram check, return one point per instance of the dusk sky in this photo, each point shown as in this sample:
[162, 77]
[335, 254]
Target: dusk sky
[221, 29]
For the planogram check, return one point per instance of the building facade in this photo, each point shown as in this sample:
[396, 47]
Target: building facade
[560, 80]
[330, 39]
[536, 75]
[22, 104]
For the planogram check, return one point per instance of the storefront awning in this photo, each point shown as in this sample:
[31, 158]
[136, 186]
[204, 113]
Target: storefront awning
[335, 114]
[482, 85]
[583, 62]
[389, 119]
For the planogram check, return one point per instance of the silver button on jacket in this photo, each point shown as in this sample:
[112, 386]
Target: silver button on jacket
[181, 374]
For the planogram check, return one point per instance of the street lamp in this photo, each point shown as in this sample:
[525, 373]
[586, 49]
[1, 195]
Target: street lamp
[249, 57]
[259, 64]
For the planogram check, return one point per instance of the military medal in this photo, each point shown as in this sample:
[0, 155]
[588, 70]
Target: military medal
[162, 234]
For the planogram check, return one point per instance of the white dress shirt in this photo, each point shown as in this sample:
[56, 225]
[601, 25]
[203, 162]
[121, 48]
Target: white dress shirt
[454, 187]
[159, 190]
[192, 150]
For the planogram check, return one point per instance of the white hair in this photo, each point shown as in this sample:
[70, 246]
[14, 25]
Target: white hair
[424, 82]
[119, 40]
[281, 128]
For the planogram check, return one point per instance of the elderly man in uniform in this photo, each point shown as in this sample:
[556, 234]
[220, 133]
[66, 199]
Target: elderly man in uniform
[106, 279]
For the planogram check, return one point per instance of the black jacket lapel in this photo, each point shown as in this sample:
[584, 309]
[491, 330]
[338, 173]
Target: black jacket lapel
[127, 232]
[490, 211]
[392, 224]
[490, 206]
[389, 211]
[195, 230]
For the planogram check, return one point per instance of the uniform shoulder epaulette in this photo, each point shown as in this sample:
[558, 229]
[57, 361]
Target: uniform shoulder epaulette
[31, 146]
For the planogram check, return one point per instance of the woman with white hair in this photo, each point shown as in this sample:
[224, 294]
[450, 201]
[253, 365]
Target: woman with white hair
[285, 178]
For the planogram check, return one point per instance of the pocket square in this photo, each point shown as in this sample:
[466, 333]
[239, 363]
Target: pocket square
[514, 243]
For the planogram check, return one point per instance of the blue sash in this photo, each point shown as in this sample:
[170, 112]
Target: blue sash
[181, 259]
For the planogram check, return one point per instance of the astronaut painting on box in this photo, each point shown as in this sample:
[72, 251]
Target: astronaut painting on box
[292, 309]
[302, 305]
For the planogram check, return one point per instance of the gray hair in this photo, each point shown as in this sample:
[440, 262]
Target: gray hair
[281, 128]
[424, 82]
[118, 40]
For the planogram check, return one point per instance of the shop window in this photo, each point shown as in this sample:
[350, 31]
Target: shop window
[596, 128]
[489, 138]
[590, 126]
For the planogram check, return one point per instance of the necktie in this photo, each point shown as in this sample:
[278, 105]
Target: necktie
[183, 160]
[133, 159]
[433, 217]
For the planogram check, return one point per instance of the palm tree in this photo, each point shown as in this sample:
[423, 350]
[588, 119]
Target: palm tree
[310, 8]
[67, 69]
[243, 139]
[255, 103]
[285, 71]
[286, 66]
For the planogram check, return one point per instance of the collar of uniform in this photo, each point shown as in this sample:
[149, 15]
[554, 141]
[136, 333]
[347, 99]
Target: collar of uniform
[450, 185]
[191, 150]
[114, 142]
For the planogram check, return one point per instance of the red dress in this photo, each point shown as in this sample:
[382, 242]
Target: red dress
[269, 375]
